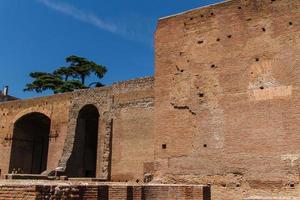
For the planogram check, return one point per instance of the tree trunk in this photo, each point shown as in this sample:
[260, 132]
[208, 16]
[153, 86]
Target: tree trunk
[83, 79]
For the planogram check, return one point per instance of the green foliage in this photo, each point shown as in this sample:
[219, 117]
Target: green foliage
[67, 79]
[43, 81]
[69, 86]
[64, 72]
[83, 68]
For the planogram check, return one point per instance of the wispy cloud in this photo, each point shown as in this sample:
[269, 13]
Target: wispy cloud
[80, 15]
[93, 19]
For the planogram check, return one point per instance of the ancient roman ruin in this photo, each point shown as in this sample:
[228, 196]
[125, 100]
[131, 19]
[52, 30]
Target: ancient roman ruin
[219, 120]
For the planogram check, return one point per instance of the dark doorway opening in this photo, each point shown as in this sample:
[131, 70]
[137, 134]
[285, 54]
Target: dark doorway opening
[83, 160]
[30, 144]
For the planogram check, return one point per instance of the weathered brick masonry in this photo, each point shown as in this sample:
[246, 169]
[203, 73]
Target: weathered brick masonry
[227, 95]
[101, 191]
[55, 107]
[224, 110]
[128, 105]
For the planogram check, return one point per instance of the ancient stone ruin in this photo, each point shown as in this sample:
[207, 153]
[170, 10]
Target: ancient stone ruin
[219, 120]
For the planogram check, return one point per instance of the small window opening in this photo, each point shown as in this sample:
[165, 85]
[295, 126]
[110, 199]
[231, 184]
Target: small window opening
[211, 13]
[290, 23]
[239, 7]
[200, 41]
[262, 87]
[264, 29]
[256, 59]
[218, 39]
[164, 146]
[229, 36]
[213, 66]
[205, 145]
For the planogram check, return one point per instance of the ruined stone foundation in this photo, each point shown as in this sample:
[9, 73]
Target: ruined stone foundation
[42, 190]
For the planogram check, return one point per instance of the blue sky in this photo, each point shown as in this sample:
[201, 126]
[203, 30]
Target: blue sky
[36, 35]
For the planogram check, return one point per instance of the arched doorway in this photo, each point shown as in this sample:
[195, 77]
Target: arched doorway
[82, 162]
[30, 143]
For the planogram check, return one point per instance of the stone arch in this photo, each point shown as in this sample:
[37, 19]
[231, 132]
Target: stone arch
[26, 112]
[30, 142]
[83, 159]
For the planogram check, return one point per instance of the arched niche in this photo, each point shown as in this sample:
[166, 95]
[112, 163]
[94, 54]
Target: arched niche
[29, 151]
[82, 162]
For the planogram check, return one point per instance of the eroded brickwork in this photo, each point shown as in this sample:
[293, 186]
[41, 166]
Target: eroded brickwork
[102, 191]
[227, 94]
[125, 124]
[55, 107]
[133, 127]
[224, 111]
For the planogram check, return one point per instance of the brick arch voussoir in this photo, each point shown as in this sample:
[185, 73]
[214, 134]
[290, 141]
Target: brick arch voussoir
[28, 111]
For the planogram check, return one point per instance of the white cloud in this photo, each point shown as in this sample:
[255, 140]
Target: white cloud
[132, 33]
[76, 13]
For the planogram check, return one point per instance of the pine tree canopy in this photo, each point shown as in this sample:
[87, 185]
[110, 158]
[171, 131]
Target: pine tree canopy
[67, 78]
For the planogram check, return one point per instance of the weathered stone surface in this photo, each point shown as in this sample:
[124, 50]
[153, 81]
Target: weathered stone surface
[126, 117]
[224, 109]
[103, 191]
[227, 95]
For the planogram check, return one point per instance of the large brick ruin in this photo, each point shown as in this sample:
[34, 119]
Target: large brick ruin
[222, 110]
[121, 115]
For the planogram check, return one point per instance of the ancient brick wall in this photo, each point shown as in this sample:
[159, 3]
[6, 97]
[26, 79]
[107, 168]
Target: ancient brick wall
[102, 191]
[125, 125]
[18, 193]
[226, 108]
[227, 94]
[133, 126]
[125, 130]
[55, 107]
